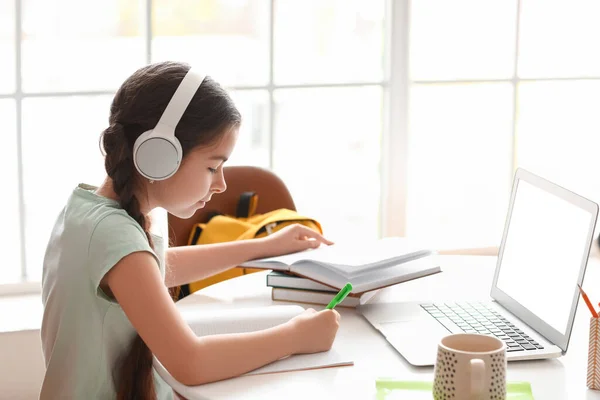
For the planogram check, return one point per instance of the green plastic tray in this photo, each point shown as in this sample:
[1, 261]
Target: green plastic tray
[390, 389]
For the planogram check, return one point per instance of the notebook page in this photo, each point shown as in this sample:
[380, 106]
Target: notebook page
[274, 314]
[215, 322]
[299, 362]
[293, 363]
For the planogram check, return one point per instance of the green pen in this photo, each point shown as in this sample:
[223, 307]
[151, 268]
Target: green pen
[340, 296]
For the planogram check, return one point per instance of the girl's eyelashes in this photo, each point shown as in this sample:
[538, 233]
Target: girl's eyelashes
[212, 170]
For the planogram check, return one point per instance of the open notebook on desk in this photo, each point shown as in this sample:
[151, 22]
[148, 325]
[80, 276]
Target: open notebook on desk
[215, 322]
[369, 265]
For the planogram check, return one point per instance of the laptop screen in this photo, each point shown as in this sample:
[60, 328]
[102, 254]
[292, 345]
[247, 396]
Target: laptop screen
[546, 241]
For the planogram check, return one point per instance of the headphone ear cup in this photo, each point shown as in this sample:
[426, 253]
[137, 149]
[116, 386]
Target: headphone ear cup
[141, 139]
[157, 153]
[156, 156]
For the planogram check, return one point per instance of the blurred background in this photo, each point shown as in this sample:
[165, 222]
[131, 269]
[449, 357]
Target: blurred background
[384, 118]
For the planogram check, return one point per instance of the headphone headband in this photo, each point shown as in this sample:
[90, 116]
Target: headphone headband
[179, 102]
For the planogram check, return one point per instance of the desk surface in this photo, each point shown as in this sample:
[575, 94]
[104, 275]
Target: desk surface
[463, 278]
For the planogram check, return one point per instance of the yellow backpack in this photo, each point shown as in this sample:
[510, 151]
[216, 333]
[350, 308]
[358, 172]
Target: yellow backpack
[246, 224]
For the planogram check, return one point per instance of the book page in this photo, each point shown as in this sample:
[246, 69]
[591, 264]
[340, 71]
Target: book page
[288, 259]
[353, 258]
[369, 251]
[362, 283]
[216, 322]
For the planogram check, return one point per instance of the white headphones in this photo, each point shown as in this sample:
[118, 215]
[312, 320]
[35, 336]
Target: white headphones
[157, 153]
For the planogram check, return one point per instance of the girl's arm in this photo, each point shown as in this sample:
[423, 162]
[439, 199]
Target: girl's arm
[187, 264]
[136, 284]
[192, 263]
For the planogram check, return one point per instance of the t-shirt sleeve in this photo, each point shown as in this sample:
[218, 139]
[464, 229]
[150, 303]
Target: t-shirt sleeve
[113, 238]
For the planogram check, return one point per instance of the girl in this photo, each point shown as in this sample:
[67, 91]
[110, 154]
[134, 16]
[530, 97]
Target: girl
[107, 309]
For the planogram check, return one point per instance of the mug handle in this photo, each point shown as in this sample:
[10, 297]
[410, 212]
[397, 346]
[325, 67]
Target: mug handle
[477, 378]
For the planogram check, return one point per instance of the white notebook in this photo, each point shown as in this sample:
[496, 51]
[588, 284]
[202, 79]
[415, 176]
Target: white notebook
[241, 320]
[238, 320]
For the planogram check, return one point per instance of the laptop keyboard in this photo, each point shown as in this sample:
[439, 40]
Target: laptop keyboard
[475, 317]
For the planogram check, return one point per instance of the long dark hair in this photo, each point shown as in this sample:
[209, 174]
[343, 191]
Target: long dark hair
[136, 108]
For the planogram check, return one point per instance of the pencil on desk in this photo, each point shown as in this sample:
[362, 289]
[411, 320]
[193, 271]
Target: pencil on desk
[587, 302]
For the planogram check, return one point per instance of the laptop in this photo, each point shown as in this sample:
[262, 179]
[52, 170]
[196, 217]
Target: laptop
[542, 258]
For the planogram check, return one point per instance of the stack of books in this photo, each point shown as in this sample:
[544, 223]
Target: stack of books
[292, 288]
[315, 276]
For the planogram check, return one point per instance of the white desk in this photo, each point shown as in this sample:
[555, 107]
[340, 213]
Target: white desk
[464, 277]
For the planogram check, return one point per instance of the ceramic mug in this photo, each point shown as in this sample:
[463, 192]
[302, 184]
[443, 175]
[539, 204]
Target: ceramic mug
[470, 367]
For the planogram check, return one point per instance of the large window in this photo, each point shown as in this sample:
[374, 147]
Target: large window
[432, 103]
[496, 85]
[308, 77]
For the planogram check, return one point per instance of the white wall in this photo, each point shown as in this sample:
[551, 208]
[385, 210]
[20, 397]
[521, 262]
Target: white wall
[21, 365]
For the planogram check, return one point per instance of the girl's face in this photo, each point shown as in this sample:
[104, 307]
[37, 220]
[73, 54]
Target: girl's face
[198, 178]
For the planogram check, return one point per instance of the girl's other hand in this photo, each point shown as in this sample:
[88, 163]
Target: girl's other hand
[291, 239]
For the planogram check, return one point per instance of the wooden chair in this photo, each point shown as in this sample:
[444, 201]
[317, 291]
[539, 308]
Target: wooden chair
[272, 195]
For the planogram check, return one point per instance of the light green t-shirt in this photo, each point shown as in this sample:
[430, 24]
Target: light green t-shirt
[84, 332]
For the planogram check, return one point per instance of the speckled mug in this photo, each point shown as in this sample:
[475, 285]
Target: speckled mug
[470, 367]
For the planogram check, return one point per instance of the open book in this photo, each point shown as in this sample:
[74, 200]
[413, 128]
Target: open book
[368, 266]
[214, 322]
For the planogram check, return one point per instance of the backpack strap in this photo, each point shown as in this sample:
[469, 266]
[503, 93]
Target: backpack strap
[195, 234]
[246, 205]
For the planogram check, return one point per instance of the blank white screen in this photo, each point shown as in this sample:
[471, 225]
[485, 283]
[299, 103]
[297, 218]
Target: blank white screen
[544, 249]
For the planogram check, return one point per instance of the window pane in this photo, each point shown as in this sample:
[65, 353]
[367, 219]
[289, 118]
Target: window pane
[10, 271]
[227, 39]
[81, 45]
[252, 147]
[557, 133]
[559, 38]
[459, 167]
[60, 150]
[7, 46]
[465, 39]
[329, 160]
[320, 41]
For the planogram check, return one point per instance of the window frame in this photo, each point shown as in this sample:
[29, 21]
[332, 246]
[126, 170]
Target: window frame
[395, 208]
[396, 86]
[29, 286]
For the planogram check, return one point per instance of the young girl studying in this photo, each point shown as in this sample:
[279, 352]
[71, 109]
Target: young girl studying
[107, 308]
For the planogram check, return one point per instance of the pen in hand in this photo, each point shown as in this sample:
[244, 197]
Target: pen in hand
[340, 296]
